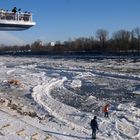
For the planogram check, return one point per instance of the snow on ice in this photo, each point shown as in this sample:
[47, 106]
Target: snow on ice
[46, 98]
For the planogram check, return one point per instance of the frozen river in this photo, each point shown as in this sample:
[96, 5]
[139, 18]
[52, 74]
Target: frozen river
[67, 93]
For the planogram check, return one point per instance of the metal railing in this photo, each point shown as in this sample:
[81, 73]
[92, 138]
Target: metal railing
[27, 17]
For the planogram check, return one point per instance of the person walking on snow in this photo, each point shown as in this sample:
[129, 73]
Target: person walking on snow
[94, 126]
[106, 110]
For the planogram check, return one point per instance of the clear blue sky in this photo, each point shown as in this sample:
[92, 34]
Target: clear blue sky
[64, 19]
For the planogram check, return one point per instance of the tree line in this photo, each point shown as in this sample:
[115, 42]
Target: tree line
[121, 42]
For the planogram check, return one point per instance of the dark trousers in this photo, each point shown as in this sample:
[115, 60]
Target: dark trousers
[93, 133]
[106, 114]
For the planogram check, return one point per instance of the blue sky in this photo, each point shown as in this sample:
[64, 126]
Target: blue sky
[65, 19]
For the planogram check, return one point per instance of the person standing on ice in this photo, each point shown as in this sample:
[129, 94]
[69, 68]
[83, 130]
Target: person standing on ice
[106, 110]
[94, 126]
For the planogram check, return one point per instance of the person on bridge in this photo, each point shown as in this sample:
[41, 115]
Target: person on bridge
[14, 10]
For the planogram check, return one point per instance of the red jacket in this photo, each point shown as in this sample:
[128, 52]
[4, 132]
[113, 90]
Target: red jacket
[106, 108]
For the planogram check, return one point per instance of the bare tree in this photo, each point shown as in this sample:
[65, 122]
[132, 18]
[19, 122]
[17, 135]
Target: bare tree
[102, 35]
[136, 34]
[37, 46]
[122, 39]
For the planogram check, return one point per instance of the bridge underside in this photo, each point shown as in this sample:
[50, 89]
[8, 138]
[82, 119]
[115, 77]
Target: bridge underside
[14, 27]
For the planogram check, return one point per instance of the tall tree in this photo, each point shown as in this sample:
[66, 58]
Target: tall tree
[122, 39]
[136, 34]
[37, 46]
[102, 35]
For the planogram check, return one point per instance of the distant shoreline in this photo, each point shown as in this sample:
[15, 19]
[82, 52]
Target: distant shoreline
[76, 55]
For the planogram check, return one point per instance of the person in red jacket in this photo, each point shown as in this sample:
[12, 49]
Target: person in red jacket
[106, 110]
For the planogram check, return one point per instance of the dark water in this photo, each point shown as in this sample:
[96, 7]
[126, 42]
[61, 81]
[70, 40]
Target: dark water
[112, 91]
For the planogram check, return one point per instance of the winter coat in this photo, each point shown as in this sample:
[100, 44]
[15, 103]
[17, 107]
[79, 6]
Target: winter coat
[94, 124]
[106, 108]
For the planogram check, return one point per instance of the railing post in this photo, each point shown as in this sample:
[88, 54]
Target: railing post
[17, 16]
[31, 17]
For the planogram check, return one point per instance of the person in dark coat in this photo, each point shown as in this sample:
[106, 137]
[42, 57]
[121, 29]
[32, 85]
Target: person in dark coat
[14, 10]
[94, 126]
